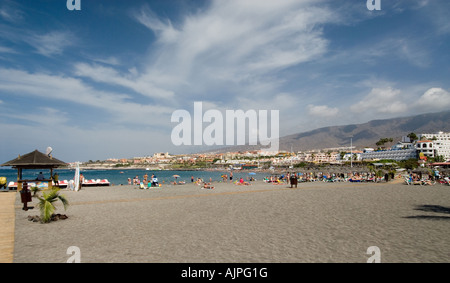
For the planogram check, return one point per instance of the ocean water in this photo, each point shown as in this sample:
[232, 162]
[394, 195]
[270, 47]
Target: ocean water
[118, 177]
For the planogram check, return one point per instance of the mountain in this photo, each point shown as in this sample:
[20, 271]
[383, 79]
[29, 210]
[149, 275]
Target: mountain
[367, 134]
[363, 135]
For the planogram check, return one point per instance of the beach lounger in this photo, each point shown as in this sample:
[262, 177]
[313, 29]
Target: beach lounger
[63, 183]
[447, 181]
[408, 181]
[427, 182]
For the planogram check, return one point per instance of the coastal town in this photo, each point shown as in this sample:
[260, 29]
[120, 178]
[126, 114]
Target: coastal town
[424, 148]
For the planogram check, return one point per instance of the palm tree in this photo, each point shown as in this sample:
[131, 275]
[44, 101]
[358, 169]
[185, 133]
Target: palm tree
[412, 136]
[46, 205]
[382, 141]
[35, 190]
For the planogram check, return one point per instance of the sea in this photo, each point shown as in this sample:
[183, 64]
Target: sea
[120, 177]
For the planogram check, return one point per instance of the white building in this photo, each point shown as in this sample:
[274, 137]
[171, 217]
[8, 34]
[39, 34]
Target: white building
[432, 145]
[426, 147]
[391, 154]
[355, 155]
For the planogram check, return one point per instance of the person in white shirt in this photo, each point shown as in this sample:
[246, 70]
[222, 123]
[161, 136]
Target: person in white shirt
[154, 181]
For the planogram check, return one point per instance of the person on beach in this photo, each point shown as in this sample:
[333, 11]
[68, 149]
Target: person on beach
[154, 181]
[242, 182]
[192, 179]
[207, 186]
[56, 179]
[293, 180]
[231, 177]
[40, 177]
[145, 182]
[136, 180]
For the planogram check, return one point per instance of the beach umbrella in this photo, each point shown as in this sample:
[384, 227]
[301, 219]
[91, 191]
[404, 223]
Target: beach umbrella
[77, 177]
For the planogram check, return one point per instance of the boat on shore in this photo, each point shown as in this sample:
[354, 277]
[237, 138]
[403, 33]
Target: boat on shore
[62, 184]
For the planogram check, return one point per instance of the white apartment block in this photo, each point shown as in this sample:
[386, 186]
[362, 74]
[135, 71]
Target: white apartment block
[392, 154]
[432, 145]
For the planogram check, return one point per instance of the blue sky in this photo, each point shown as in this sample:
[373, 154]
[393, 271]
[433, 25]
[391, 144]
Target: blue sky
[104, 81]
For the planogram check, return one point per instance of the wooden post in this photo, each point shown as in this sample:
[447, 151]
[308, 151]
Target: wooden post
[19, 179]
[50, 183]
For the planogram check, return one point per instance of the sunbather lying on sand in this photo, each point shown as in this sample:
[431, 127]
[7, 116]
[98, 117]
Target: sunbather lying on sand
[241, 182]
[207, 186]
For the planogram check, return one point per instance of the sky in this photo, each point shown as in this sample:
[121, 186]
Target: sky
[103, 82]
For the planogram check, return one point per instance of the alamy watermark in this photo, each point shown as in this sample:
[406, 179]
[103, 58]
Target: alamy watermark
[373, 251]
[375, 254]
[191, 131]
[73, 5]
[75, 254]
[373, 5]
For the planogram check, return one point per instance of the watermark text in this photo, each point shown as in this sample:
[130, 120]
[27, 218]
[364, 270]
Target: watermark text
[192, 131]
[375, 253]
[75, 254]
[373, 5]
[73, 5]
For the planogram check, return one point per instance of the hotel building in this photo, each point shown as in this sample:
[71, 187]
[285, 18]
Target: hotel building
[432, 145]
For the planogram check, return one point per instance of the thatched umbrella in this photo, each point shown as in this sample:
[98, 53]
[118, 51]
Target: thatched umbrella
[34, 160]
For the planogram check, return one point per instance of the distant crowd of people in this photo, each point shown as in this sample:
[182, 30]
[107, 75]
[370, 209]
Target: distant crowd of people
[295, 178]
[430, 178]
[146, 182]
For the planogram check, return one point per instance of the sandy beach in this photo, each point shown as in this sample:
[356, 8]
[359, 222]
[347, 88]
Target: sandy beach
[262, 223]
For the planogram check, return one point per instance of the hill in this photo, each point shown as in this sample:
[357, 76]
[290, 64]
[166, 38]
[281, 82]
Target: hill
[363, 135]
[367, 134]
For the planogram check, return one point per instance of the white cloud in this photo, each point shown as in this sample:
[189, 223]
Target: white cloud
[10, 12]
[165, 31]
[131, 80]
[40, 116]
[120, 107]
[52, 43]
[233, 47]
[382, 101]
[108, 61]
[7, 50]
[322, 111]
[434, 99]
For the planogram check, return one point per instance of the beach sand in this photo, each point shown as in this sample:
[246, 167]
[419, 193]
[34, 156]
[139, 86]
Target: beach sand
[262, 223]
